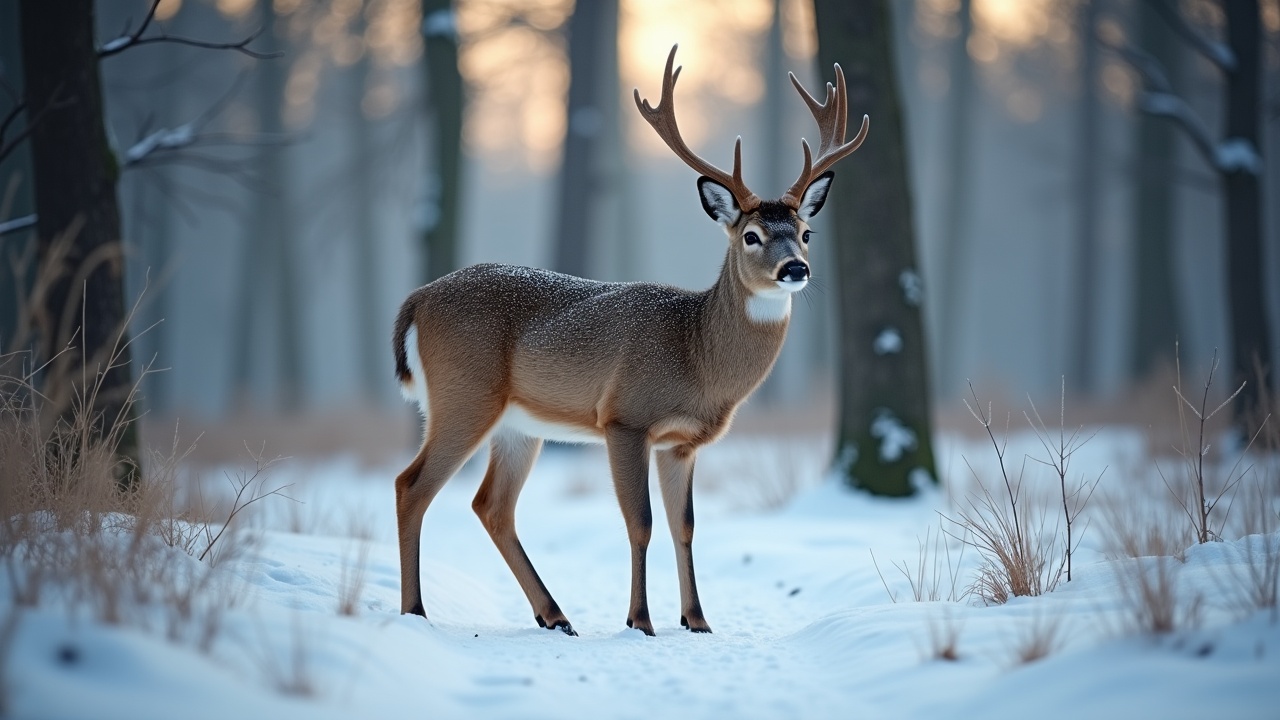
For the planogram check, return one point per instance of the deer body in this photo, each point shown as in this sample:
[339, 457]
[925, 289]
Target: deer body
[514, 355]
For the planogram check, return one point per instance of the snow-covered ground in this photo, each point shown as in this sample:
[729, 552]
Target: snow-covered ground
[804, 626]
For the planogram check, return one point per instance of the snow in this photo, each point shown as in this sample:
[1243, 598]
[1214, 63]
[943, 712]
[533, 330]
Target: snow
[1238, 155]
[116, 43]
[803, 625]
[889, 341]
[895, 438]
[166, 139]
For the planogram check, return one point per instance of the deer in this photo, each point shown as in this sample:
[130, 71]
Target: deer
[516, 356]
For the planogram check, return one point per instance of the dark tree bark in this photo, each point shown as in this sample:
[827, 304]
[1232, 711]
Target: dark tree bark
[75, 187]
[1250, 333]
[1155, 325]
[372, 326]
[17, 196]
[884, 435]
[957, 200]
[591, 31]
[269, 286]
[444, 110]
[1081, 369]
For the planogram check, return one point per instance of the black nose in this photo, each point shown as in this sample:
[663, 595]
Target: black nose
[794, 271]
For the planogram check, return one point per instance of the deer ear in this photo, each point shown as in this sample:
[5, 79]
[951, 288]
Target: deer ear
[718, 201]
[815, 195]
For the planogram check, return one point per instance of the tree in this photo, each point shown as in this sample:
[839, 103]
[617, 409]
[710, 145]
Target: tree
[883, 442]
[268, 263]
[592, 33]
[1238, 162]
[957, 200]
[444, 112]
[78, 217]
[17, 199]
[1155, 310]
[1086, 172]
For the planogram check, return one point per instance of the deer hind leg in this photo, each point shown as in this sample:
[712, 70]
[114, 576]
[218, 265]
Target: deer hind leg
[449, 443]
[629, 462]
[675, 477]
[511, 456]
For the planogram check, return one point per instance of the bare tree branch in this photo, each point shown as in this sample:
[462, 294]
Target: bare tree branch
[56, 102]
[165, 144]
[127, 40]
[1158, 98]
[1218, 53]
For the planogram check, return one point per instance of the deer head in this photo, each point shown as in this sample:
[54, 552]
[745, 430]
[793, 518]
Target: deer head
[769, 239]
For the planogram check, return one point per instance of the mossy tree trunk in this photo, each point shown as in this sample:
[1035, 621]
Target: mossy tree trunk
[884, 444]
[75, 200]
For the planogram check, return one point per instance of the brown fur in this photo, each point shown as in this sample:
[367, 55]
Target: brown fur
[635, 364]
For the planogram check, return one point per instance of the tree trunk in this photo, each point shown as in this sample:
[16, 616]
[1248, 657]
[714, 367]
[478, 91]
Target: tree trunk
[1081, 356]
[1251, 345]
[579, 179]
[372, 325]
[75, 187]
[957, 201]
[17, 194]
[269, 266]
[1155, 325]
[884, 443]
[444, 110]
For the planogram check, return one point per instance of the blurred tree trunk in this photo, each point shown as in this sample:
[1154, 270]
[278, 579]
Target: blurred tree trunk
[1087, 178]
[17, 194]
[884, 443]
[1155, 324]
[1250, 333]
[75, 200]
[957, 201]
[592, 32]
[268, 266]
[444, 110]
[372, 326]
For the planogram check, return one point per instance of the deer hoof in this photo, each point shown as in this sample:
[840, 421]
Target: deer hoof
[699, 624]
[641, 624]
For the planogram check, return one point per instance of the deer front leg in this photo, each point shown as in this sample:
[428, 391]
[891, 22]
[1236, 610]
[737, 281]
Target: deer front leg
[629, 462]
[675, 477]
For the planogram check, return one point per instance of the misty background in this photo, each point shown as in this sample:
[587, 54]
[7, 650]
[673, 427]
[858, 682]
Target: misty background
[277, 251]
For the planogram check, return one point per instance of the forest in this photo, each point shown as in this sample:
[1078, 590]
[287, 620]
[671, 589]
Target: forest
[1001, 387]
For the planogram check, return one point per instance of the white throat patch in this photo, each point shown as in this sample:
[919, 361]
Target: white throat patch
[769, 306]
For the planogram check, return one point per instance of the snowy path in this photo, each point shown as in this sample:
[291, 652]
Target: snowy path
[803, 625]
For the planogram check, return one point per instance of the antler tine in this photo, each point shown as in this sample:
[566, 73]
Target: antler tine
[663, 120]
[832, 117]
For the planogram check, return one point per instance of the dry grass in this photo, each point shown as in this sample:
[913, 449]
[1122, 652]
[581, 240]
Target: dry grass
[73, 536]
[1018, 558]
[1037, 639]
[926, 580]
[943, 639]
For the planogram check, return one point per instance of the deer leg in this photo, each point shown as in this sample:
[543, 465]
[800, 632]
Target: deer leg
[510, 459]
[629, 462]
[441, 456]
[675, 478]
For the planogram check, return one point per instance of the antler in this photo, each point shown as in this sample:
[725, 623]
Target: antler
[832, 117]
[663, 120]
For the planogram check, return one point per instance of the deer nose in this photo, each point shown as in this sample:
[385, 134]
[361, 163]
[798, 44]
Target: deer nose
[794, 271]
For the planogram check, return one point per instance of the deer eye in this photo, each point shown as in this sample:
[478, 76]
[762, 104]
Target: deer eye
[805, 237]
[751, 238]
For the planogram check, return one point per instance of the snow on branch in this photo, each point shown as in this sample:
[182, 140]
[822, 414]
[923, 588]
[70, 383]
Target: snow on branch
[157, 145]
[128, 39]
[1218, 53]
[1159, 99]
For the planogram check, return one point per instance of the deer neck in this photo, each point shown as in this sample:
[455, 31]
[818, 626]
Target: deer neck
[741, 332]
